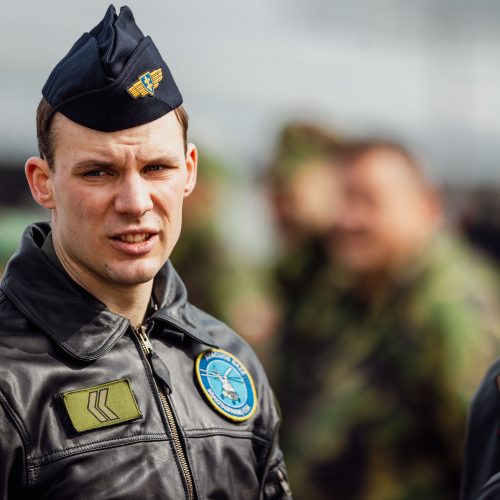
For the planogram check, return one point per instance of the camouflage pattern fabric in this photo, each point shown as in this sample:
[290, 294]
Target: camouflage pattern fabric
[202, 262]
[374, 394]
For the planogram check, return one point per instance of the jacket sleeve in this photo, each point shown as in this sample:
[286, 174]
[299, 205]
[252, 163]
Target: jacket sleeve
[275, 485]
[480, 476]
[12, 463]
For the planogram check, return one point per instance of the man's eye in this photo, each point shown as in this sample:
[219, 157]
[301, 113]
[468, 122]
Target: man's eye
[95, 173]
[155, 168]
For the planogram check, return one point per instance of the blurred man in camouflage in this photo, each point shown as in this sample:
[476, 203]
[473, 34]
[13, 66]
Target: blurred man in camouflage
[381, 390]
[201, 257]
[304, 195]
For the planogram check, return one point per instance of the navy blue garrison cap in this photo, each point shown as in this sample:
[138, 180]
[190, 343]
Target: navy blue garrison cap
[113, 77]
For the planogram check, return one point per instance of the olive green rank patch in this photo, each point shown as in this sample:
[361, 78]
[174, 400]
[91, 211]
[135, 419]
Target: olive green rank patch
[101, 405]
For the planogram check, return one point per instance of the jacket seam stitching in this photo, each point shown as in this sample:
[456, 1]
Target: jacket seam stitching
[269, 460]
[21, 430]
[38, 461]
[194, 433]
[235, 431]
[251, 438]
[223, 429]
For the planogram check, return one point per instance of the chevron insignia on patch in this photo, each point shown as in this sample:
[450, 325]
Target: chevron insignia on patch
[146, 84]
[101, 405]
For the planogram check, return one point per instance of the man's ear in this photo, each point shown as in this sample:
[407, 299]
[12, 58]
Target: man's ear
[192, 169]
[39, 177]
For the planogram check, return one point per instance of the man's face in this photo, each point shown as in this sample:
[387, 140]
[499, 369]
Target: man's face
[387, 214]
[307, 204]
[117, 198]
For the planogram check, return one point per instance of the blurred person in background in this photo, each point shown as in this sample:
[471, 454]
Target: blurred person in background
[304, 195]
[303, 191]
[201, 257]
[480, 221]
[381, 396]
[218, 280]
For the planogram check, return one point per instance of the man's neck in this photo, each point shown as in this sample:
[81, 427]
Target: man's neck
[130, 301]
[401, 269]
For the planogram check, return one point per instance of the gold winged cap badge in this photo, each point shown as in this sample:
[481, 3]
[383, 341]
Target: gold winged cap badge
[146, 84]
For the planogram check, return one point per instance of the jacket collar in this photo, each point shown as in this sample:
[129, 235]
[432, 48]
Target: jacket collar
[74, 319]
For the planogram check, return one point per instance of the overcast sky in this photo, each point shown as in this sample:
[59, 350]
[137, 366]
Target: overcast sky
[426, 71]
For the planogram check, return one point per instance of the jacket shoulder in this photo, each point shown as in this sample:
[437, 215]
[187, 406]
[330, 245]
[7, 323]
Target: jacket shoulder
[225, 337]
[482, 451]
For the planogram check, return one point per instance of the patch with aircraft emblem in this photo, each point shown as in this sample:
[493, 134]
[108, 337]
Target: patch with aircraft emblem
[227, 384]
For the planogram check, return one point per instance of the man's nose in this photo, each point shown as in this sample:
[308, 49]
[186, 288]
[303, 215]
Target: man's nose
[134, 196]
[351, 217]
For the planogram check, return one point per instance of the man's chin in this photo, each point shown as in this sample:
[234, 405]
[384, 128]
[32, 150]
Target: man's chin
[357, 263]
[132, 277]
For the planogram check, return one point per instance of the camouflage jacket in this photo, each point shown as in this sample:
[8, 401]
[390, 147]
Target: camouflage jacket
[374, 393]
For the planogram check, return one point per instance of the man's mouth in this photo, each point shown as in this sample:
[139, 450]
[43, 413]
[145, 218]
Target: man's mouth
[134, 238]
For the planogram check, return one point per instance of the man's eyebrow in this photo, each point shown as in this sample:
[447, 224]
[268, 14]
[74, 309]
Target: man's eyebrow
[166, 159]
[90, 162]
[169, 159]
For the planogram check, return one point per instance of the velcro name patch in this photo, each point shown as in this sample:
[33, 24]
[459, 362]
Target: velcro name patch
[101, 405]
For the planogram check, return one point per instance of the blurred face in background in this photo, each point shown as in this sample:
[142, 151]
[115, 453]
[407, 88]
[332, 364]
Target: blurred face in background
[388, 214]
[307, 203]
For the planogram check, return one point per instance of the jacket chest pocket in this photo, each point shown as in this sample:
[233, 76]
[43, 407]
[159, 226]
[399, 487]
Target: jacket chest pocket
[227, 465]
[127, 468]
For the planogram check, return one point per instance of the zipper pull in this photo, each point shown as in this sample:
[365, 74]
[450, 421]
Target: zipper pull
[143, 336]
[285, 485]
[161, 371]
[157, 365]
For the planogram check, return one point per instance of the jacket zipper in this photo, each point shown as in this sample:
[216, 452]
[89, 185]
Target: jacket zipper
[284, 483]
[147, 348]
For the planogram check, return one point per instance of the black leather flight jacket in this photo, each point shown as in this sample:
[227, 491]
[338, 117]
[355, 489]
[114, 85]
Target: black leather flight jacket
[481, 464]
[55, 337]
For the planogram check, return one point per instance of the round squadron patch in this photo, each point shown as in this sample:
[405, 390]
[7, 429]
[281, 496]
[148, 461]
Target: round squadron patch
[227, 384]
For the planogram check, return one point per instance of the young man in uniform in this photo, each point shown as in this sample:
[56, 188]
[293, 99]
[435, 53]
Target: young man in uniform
[111, 384]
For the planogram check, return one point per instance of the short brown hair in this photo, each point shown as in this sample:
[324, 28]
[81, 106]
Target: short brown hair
[299, 143]
[45, 137]
[356, 150]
